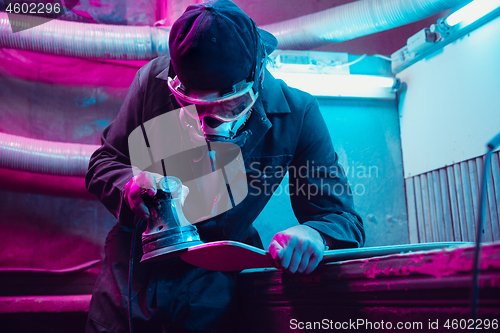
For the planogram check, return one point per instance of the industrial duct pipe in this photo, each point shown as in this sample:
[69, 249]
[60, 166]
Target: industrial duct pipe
[86, 40]
[353, 20]
[45, 157]
[336, 24]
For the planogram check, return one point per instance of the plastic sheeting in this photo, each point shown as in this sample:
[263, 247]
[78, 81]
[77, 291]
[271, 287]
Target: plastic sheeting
[67, 71]
[54, 112]
[121, 12]
[51, 221]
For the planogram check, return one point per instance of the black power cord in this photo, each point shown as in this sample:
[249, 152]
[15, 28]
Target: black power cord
[491, 146]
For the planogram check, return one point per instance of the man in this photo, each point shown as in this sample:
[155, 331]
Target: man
[216, 85]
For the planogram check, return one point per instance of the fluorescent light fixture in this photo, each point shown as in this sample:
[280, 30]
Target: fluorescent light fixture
[330, 85]
[309, 62]
[472, 12]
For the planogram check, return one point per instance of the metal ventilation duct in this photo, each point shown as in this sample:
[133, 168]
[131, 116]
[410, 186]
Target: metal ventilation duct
[46, 157]
[336, 24]
[353, 20]
[84, 40]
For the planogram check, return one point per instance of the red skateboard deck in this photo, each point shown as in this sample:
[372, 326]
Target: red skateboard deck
[227, 256]
[234, 256]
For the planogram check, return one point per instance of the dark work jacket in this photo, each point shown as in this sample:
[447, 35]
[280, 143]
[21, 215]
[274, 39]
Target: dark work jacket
[288, 131]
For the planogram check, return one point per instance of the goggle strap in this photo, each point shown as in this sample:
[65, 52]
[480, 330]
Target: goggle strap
[227, 91]
[183, 89]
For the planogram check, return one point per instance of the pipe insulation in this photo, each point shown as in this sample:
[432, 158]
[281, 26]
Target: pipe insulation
[46, 157]
[353, 20]
[85, 40]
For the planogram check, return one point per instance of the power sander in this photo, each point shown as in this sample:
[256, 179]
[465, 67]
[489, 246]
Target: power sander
[168, 231]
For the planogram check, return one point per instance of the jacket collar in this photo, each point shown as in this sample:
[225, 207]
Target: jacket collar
[273, 99]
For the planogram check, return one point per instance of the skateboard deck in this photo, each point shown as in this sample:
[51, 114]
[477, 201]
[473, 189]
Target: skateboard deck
[227, 256]
[235, 256]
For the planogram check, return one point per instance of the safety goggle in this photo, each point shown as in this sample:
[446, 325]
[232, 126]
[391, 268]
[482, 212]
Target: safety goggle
[224, 106]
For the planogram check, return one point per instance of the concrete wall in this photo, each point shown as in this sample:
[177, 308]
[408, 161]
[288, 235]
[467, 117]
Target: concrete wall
[365, 134]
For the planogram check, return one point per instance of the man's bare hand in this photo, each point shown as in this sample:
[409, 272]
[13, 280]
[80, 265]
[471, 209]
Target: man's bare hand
[146, 182]
[297, 249]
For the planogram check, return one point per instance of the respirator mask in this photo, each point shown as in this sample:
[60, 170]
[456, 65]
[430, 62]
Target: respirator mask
[215, 116]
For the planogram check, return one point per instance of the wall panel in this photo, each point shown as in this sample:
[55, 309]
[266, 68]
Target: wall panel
[443, 203]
